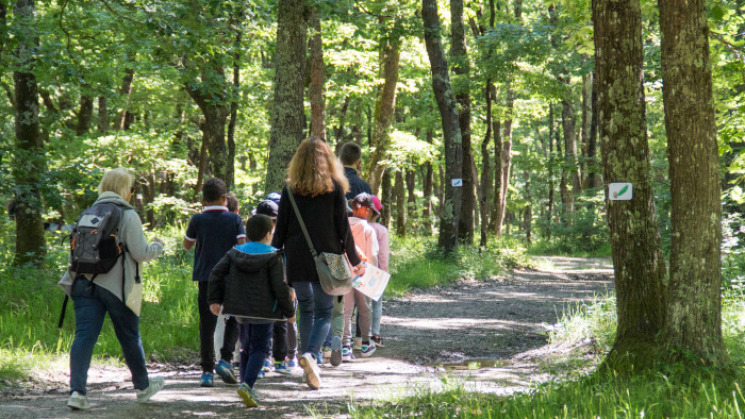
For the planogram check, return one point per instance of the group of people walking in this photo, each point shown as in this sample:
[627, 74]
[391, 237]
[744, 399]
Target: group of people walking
[255, 276]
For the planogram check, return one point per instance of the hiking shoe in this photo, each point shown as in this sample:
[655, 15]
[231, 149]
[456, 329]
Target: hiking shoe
[336, 351]
[267, 366]
[292, 363]
[281, 368]
[312, 374]
[378, 340]
[207, 380]
[225, 371]
[78, 401]
[262, 374]
[326, 350]
[156, 385]
[367, 349]
[357, 344]
[346, 354]
[248, 395]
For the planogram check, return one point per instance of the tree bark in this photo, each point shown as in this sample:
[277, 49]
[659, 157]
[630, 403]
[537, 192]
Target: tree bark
[103, 115]
[461, 70]
[400, 204]
[230, 176]
[125, 117]
[571, 167]
[550, 159]
[427, 185]
[693, 315]
[638, 262]
[585, 127]
[449, 115]
[339, 129]
[593, 177]
[506, 158]
[385, 105]
[486, 170]
[528, 211]
[387, 201]
[317, 76]
[288, 116]
[85, 115]
[411, 199]
[28, 164]
[497, 133]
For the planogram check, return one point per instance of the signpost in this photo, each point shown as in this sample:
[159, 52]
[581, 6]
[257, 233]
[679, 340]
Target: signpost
[620, 191]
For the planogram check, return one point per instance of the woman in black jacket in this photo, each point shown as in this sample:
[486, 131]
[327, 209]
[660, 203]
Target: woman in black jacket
[318, 185]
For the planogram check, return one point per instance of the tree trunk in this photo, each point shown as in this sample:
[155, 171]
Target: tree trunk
[506, 157]
[528, 212]
[387, 201]
[411, 199]
[385, 105]
[317, 75]
[85, 114]
[550, 159]
[571, 167]
[427, 185]
[339, 129]
[211, 96]
[288, 115]
[400, 204]
[3, 23]
[461, 69]
[486, 171]
[693, 315]
[103, 115]
[585, 127]
[638, 262]
[28, 164]
[202, 170]
[497, 133]
[125, 117]
[448, 107]
[593, 178]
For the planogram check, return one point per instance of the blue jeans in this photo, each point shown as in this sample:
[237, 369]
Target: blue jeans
[91, 304]
[315, 315]
[254, 350]
[377, 313]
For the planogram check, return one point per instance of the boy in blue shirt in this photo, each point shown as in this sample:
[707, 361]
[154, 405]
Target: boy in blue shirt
[249, 283]
[215, 231]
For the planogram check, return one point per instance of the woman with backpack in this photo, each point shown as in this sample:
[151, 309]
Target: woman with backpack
[317, 182]
[113, 287]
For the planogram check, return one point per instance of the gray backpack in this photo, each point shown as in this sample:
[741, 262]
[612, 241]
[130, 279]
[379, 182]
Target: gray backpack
[95, 246]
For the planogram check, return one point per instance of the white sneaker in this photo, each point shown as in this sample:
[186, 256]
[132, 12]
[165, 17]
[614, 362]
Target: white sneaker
[312, 374]
[78, 401]
[156, 384]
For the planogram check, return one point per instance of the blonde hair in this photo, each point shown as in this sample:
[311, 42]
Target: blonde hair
[314, 168]
[118, 180]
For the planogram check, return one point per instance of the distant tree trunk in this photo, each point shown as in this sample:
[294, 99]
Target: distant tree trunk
[427, 185]
[339, 129]
[28, 164]
[125, 117]
[385, 104]
[593, 178]
[486, 171]
[387, 198]
[215, 107]
[495, 214]
[288, 115]
[528, 212]
[506, 158]
[3, 23]
[230, 177]
[317, 75]
[585, 127]
[638, 262]
[448, 107]
[563, 185]
[693, 316]
[461, 69]
[571, 167]
[202, 169]
[103, 115]
[400, 204]
[411, 198]
[85, 115]
[550, 159]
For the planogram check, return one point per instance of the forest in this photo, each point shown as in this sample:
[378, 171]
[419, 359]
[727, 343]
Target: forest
[489, 129]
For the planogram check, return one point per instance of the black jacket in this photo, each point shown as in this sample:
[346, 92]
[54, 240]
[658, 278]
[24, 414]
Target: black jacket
[251, 285]
[325, 217]
[356, 184]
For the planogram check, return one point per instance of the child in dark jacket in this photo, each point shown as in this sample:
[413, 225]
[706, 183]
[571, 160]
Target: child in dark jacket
[249, 283]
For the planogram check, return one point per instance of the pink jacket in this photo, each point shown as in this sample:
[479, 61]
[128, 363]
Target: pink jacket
[384, 252]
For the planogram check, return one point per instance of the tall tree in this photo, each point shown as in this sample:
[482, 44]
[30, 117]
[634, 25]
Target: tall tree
[288, 116]
[448, 106]
[385, 103]
[317, 76]
[461, 69]
[638, 262]
[28, 164]
[693, 316]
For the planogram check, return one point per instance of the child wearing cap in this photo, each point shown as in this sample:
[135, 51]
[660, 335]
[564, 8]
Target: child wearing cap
[382, 234]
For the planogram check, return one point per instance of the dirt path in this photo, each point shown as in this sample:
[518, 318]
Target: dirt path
[486, 333]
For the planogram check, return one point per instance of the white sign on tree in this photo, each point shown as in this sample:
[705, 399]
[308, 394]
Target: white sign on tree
[620, 191]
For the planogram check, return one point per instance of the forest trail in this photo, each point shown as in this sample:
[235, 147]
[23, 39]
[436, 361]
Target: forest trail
[493, 333]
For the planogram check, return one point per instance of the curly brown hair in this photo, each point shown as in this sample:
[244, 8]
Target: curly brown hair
[314, 168]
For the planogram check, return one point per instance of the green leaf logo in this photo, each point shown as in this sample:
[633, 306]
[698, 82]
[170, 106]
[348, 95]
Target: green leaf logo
[621, 192]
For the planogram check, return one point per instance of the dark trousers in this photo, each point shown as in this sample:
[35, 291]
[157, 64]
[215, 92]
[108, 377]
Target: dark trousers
[207, 323]
[279, 338]
[254, 350]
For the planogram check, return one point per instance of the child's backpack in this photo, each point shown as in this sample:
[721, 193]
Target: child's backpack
[94, 245]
